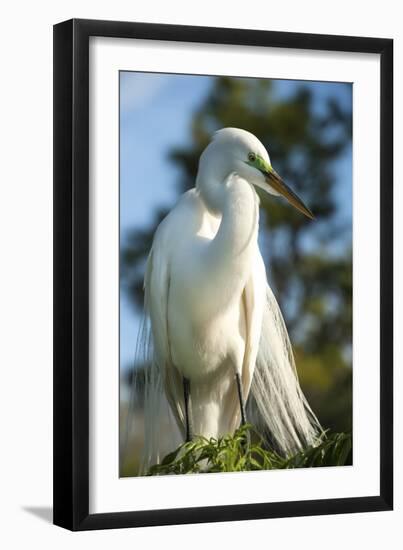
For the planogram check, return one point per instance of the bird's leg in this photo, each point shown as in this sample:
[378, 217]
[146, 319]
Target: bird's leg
[241, 400]
[242, 406]
[188, 412]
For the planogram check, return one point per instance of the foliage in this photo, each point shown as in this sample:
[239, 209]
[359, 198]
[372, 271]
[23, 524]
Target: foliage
[239, 453]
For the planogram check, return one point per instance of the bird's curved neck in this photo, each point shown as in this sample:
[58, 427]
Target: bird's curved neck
[229, 253]
[239, 221]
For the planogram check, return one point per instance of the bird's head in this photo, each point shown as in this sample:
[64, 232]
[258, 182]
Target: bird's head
[233, 150]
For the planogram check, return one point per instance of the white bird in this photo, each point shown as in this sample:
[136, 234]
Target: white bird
[217, 333]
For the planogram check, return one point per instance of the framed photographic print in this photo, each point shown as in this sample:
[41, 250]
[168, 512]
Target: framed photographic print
[223, 293]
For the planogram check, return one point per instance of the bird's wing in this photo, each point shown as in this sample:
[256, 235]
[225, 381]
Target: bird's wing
[252, 300]
[275, 388]
[156, 286]
[182, 220]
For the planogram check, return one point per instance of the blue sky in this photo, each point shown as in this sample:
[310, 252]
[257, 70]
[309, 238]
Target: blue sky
[155, 115]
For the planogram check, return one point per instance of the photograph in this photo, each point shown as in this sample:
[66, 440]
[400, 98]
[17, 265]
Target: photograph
[235, 274]
[200, 268]
[223, 266]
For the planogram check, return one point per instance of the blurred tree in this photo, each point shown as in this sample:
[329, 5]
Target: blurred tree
[309, 264]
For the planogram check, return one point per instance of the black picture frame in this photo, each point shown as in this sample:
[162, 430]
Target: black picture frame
[71, 274]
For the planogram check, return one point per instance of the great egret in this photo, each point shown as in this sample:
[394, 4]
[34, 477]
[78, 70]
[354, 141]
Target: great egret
[217, 333]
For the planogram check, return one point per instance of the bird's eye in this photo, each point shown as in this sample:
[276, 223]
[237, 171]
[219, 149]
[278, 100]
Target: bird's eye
[252, 157]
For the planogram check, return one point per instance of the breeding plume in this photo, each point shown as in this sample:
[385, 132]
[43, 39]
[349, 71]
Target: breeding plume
[217, 336]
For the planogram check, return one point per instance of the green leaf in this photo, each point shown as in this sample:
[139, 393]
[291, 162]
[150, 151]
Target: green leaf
[234, 453]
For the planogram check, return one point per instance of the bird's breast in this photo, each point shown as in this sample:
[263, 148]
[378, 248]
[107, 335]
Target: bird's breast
[204, 344]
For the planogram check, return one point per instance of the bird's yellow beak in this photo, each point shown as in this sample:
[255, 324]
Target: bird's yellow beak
[276, 184]
[274, 180]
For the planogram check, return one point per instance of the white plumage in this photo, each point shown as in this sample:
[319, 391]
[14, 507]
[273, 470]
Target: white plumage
[212, 313]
